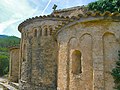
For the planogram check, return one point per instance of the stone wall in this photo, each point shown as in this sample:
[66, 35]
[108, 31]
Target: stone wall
[74, 11]
[39, 67]
[98, 43]
[39, 55]
[14, 64]
[77, 53]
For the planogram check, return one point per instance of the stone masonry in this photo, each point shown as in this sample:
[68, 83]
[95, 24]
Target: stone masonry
[75, 51]
[69, 12]
[14, 64]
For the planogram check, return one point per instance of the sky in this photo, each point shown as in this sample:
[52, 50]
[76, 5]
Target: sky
[13, 12]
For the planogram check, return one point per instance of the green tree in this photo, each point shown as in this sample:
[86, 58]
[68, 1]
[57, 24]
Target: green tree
[4, 65]
[105, 5]
[116, 73]
[5, 43]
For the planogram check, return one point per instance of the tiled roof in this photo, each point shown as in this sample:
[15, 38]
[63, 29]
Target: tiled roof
[41, 18]
[89, 16]
[70, 9]
[73, 18]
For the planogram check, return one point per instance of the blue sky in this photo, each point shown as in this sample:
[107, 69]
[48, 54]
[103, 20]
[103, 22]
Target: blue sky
[13, 12]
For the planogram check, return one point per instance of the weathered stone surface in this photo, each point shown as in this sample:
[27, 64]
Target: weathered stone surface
[39, 57]
[98, 43]
[14, 64]
[74, 11]
[78, 55]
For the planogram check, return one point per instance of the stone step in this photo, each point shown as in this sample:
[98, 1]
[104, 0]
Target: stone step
[15, 85]
[7, 86]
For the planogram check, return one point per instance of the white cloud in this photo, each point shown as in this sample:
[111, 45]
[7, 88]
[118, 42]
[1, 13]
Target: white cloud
[21, 8]
[4, 25]
[16, 11]
[13, 11]
[46, 7]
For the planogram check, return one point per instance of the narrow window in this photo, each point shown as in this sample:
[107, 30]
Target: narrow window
[50, 31]
[40, 30]
[45, 32]
[76, 62]
[35, 33]
[24, 53]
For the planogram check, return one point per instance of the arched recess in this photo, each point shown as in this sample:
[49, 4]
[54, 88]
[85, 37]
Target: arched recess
[24, 61]
[25, 71]
[76, 62]
[45, 31]
[73, 43]
[50, 30]
[35, 32]
[87, 62]
[110, 51]
[40, 31]
[24, 53]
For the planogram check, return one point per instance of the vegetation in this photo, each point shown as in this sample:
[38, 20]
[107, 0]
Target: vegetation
[5, 43]
[4, 63]
[105, 5]
[8, 41]
[116, 73]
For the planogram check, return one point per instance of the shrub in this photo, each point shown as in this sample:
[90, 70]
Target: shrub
[116, 73]
[105, 5]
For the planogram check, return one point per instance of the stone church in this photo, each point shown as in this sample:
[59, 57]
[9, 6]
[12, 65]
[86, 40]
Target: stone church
[70, 49]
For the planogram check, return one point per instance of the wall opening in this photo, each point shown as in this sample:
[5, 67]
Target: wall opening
[24, 49]
[35, 33]
[45, 32]
[40, 29]
[50, 31]
[76, 62]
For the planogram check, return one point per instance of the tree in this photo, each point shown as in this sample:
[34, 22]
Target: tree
[116, 73]
[6, 42]
[4, 65]
[105, 5]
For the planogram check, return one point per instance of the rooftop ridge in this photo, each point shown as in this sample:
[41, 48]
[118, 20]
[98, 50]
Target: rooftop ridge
[73, 18]
[86, 15]
[45, 17]
[70, 9]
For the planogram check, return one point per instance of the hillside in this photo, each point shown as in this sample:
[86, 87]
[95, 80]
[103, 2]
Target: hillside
[3, 36]
[5, 43]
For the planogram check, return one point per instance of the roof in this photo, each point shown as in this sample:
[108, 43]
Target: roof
[42, 18]
[90, 16]
[69, 9]
[105, 15]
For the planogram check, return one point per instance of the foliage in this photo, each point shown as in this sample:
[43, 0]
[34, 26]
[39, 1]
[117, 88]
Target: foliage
[116, 73]
[4, 64]
[9, 41]
[105, 5]
[5, 43]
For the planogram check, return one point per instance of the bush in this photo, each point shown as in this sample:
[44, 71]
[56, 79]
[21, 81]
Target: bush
[116, 73]
[105, 5]
[6, 42]
[4, 65]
